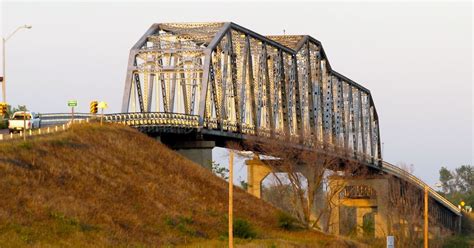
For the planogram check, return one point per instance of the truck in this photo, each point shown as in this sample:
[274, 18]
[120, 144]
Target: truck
[21, 120]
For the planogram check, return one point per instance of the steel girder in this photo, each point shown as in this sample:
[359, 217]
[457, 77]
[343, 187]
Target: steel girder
[243, 82]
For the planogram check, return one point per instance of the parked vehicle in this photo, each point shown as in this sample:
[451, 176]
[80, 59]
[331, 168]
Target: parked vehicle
[23, 120]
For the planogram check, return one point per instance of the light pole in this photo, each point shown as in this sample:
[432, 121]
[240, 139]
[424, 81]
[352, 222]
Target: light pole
[4, 40]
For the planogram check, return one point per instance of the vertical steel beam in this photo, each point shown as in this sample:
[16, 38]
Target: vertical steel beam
[298, 107]
[243, 90]
[337, 117]
[174, 76]
[252, 87]
[354, 121]
[260, 76]
[204, 86]
[320, 98]
[224, 77]
[345, 125]
[268, 91]
[214, 95]
[284, 98]
[311, 93]
[163, 82]
[328, 107]
[150, 91]
[276, 87]
[195, 86]
[362, 126]
[233, 74]
[371, 133]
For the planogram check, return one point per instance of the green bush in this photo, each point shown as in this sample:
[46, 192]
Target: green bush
[3, 123]
[456, 242]
[286, 221]
[243, 229]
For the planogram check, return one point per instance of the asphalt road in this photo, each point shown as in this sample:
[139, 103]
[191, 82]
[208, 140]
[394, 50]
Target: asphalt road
[3, 131]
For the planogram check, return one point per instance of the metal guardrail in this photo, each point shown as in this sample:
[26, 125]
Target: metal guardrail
[39, 131]
[48, 119]
[156, 119]
[395, 170]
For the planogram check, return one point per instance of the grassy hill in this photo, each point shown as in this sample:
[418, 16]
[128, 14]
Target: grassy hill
[113, 186]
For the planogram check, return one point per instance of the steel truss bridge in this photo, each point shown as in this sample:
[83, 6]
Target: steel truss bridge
[222, 81]
[240, 83]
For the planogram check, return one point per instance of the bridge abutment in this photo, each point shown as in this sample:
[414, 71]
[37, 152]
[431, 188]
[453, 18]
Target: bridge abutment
[200, 152]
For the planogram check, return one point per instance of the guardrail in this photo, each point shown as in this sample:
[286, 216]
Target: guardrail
[39, 131]
[160, 119]
[60, 118]
[395, 170]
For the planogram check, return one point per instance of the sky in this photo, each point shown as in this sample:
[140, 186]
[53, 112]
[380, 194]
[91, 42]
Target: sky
[415, 58]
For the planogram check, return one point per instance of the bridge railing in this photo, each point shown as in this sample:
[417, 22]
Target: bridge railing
[395, 170]
[48, 119]
[155, 119]
[40, 131]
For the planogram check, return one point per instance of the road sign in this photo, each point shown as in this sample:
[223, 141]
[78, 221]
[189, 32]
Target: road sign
[72, 103]
[102, 105]
[93, 107]
[390, 241]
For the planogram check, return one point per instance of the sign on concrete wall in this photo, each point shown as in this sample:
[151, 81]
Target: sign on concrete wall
[390, 242]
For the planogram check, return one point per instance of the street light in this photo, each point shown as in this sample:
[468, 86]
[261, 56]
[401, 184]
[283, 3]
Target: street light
[4, 40]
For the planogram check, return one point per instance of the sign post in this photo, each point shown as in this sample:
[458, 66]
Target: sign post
[231, 198]
[72, 104]
[102, 105]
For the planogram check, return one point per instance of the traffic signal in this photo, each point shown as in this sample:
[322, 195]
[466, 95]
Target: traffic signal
[3, 108]
[94, 107]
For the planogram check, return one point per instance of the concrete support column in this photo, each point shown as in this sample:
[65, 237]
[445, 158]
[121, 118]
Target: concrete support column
[256, 173]
[200, 152]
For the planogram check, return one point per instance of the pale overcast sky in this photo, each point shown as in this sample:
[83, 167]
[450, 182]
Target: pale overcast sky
[416, 59]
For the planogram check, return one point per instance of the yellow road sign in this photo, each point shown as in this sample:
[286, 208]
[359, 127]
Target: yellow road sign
[102, 105]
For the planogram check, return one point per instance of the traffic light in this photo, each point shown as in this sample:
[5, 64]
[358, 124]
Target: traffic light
[94, 107]
[3, 108]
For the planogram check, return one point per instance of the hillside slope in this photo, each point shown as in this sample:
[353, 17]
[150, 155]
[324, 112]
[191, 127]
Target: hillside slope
[111, 185]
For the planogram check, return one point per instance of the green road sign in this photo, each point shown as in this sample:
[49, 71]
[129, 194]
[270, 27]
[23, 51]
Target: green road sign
[72, 103]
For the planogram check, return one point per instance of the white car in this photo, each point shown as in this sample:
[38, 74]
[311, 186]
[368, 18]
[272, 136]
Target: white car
[23, 120]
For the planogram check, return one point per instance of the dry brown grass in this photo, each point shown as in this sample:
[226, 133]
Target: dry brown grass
[113, 186]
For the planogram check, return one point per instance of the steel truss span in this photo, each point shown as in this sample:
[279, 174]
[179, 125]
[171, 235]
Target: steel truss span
[239, 82]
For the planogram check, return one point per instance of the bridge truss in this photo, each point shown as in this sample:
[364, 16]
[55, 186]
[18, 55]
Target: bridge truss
[239, 82]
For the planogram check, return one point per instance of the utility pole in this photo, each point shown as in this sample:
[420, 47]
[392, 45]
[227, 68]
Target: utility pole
[4, 40]
[426, 218]
[231, 198]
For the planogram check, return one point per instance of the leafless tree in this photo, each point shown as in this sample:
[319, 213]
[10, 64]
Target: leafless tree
[300, 175]
[406, 210]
